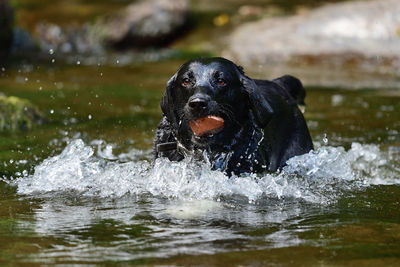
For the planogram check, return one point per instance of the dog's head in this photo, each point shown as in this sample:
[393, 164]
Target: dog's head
[212, 86]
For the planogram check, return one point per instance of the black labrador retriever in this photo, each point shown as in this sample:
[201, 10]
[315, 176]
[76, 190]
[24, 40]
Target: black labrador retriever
[262, 124]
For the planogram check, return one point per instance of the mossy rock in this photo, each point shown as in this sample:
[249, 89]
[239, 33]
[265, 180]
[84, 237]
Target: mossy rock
[18, 114]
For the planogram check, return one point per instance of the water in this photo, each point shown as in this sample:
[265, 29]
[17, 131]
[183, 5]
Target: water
[88, 191]
[107, 207]
[320, 176]
[83, 188]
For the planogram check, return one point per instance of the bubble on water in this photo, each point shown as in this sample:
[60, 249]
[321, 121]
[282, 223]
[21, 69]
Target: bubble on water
[320, 176]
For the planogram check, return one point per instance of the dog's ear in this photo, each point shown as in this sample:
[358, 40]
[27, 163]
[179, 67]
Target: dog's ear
[261, 109]
[167, 101]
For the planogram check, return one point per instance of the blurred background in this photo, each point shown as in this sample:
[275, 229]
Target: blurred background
[324, 41]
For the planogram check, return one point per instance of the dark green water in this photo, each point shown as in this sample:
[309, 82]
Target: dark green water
[82, 189]
[330, 220]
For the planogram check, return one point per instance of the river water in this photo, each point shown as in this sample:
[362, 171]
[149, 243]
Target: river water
[83, 188]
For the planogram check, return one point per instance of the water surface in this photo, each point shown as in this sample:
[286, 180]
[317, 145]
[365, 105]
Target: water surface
[83, 189]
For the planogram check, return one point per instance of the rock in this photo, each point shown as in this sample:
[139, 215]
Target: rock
[69, 40]
[18, 114]
[343, 33]
[144, 23]
[141, 24]
[6, 29]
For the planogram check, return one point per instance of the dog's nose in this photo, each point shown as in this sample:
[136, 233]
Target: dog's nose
[198, 103]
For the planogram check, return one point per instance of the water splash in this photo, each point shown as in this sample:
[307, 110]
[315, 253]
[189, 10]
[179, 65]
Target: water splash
[320, 176]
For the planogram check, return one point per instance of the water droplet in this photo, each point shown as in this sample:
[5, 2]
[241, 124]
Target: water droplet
[51, 51]
[325, 139]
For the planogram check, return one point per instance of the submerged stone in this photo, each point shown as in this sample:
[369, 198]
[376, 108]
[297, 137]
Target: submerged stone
[18, 114]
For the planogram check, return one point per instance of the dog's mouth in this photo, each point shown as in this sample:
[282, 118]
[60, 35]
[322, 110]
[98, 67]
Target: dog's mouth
[206, 126]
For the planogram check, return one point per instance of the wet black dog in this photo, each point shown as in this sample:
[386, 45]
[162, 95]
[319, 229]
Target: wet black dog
[263, 126]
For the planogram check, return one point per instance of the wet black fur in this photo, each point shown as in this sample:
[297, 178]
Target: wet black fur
[263, 125]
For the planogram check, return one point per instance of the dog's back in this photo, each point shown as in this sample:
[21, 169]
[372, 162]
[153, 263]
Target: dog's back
[288, 87]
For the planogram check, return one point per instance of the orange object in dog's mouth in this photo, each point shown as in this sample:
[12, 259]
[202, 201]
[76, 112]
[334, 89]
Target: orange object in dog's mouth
[208, 125]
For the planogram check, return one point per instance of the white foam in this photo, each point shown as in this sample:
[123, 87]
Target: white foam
[319, 176]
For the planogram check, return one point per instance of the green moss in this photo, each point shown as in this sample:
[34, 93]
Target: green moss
[18, 114]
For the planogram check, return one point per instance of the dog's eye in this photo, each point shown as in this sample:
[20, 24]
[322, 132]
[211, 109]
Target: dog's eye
[186, 82]
[221, 82]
